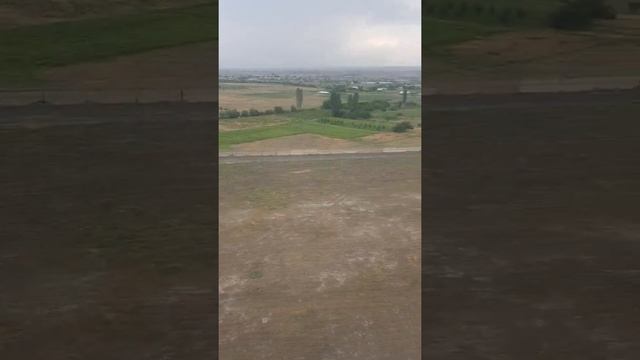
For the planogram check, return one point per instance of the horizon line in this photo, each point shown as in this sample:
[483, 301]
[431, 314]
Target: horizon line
[318, 67]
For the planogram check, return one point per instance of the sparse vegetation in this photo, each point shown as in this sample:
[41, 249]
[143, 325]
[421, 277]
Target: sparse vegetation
[24, 51]
[402, 126]
[356, 118]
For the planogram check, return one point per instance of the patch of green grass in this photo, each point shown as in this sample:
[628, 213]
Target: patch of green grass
[24, 51]
[333, 131]
[448, 22]
[437, 33]
[522, 13]
[228, 138]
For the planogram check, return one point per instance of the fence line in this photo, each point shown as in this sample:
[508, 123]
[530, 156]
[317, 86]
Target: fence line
[10, 97]
[528, 86]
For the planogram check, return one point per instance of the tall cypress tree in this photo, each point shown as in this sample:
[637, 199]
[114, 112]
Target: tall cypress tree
[336, 104]
[299, 98]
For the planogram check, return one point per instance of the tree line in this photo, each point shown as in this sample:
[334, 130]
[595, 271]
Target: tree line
[233, 113]
[354, 109]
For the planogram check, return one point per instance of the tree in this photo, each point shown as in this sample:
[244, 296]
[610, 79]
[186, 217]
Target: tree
[293, 108]
[299, 98]
[254, 112]
[278, 110]
[404, 95]
[335, 104]
[352, 101]
[244, 113]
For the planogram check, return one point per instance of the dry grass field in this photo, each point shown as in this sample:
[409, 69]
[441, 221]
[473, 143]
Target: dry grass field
[319, 257]
[543, 53]
[187, 67]
[245, 96]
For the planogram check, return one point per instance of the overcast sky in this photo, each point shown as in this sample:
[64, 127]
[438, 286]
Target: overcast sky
[326, 33]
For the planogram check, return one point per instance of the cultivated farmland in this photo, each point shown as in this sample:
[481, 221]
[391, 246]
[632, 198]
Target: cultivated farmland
[281, 132]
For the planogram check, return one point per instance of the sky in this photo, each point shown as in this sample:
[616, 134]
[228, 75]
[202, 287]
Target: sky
[312, 33]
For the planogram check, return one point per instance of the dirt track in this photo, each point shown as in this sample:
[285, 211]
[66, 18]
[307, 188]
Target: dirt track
[531, 239]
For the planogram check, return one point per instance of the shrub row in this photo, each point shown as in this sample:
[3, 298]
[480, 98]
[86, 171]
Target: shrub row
[233, 113]
[477, 10]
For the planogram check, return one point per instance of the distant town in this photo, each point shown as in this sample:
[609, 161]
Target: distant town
[363, 79]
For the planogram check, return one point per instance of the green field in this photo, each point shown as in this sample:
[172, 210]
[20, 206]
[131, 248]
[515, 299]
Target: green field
[228, 138]
[24, 51]
[523, 13]
[437, 33]
[250, 129]
[448, 22]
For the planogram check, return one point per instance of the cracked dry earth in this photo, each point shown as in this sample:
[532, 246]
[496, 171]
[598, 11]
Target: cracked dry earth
[320, 259]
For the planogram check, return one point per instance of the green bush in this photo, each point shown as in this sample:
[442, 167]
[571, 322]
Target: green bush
[429, 9]
[505, 16]
[358, 114]
[402, 126]
[462, 9]
[579, 14]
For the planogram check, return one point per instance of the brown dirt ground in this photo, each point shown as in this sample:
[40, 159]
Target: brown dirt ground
[188, 67]
[319, 259]
[545, 54]
[531, 241]
[390, 139]
[298, 142]
[108, 229]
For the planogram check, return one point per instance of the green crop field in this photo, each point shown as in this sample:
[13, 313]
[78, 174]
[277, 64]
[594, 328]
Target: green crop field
[447, 22]
[228, 138]
[314, 121]
[26, 50]
[439, 32]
